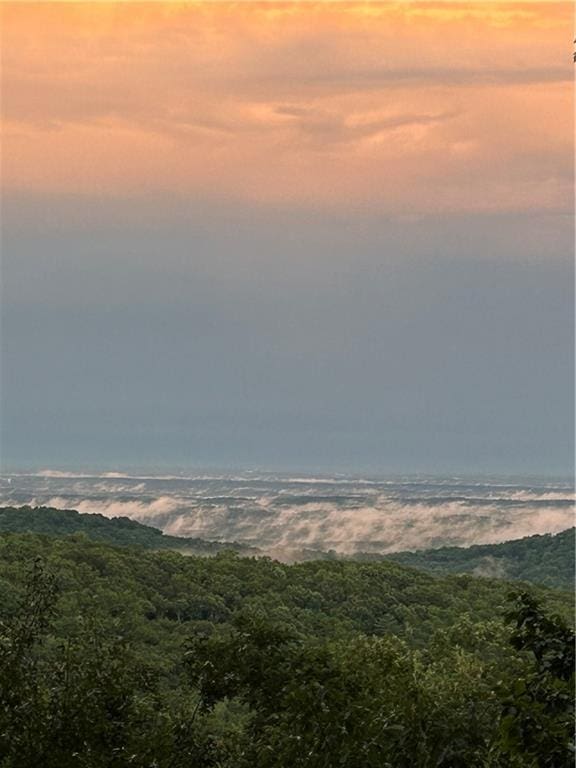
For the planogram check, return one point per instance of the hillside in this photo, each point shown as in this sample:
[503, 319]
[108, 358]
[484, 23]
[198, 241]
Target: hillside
[170, 594]
[120, 531]
[546, 559]
[144, 658]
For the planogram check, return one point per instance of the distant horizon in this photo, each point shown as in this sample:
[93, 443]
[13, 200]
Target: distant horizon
[194, 471]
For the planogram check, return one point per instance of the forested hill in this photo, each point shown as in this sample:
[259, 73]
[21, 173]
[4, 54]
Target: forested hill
[124, 657]
[162, 589]
[546, 559]
[120, 531]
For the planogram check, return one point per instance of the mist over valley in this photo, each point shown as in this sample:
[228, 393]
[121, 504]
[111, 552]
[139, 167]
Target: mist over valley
[276, 512]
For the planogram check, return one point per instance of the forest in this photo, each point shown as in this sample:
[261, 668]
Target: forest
[137, 656]
[545, 559]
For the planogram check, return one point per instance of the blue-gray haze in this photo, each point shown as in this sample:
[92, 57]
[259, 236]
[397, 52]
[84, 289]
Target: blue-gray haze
[148, 333]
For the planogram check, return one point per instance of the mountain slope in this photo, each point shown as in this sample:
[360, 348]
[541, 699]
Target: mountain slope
[120, 531]
[546, 559]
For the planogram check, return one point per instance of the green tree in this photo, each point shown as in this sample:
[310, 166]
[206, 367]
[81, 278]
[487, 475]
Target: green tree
[537, 724]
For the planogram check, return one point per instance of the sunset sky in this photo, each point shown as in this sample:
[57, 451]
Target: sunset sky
[305, 235]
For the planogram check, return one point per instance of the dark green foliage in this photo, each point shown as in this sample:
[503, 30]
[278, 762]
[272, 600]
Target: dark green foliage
[537, 724]
[119, 531]
[87, 700]
[546, 559]
[366, 703]
[161, 596]
[21, 698]
[127, 657]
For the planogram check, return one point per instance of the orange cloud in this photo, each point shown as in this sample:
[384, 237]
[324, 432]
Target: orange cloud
[391, 107]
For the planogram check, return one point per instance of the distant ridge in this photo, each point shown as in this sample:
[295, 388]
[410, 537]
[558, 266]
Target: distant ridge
[546, 559]
[120, 531]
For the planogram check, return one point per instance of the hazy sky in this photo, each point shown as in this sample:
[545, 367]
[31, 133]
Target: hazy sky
[316, 235]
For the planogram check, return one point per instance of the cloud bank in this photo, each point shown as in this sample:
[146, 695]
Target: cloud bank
[388, 107]
[370, 516]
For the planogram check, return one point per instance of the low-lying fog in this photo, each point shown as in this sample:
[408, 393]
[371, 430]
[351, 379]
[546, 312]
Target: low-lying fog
[341, 513]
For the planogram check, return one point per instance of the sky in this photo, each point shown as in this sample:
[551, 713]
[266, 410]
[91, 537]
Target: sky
[314, 236]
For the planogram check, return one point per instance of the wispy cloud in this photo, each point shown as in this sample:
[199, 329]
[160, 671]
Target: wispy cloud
[372, 520]
[388, 106]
